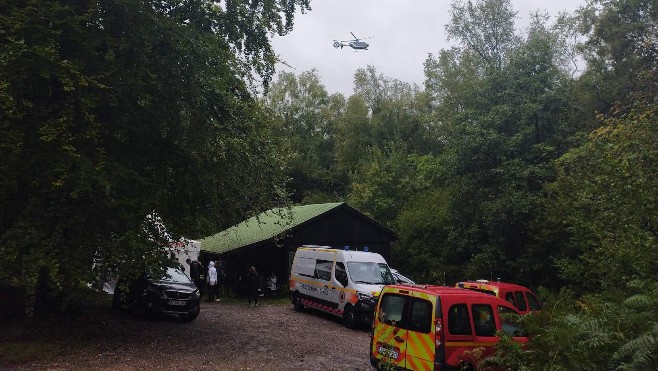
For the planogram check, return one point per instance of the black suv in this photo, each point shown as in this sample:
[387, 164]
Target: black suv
[172, 294]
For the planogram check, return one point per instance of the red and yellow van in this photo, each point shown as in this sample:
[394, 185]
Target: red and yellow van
[418, 327]
[522, 297]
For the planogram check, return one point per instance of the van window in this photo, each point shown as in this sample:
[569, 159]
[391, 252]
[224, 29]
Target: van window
[323, 269]
[459, 322]
[391, 309]
[341, 274]
[510, 321]
[533, 302]
[304, 267]
[370, 273]
[483, 320]
[421, 316]
[510, 298]
[520, 301]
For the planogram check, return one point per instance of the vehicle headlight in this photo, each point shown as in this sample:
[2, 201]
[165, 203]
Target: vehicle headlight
[364, 296]
[196, 294]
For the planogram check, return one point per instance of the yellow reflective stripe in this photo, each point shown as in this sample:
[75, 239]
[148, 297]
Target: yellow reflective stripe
[487, 344]
[418, 364]
[458, 343]
[381, 329]
[420, 345]
[469, 344]
[314, 283]
[420, 351]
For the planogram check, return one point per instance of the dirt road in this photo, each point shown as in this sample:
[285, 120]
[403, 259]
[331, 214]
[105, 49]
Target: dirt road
[223, 337]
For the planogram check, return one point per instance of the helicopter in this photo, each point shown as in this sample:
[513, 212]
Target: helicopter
[356, 43]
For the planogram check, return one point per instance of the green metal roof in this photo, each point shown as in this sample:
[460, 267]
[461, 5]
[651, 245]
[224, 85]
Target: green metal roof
[263, 227]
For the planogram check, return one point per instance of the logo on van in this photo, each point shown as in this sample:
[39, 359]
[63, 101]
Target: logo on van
[341, 297]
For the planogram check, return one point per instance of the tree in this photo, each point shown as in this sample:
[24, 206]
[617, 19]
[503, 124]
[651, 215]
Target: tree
[621, 52]
[117, 110]
[307, 119]
[503, 117]
[485, 29]
[604, 200]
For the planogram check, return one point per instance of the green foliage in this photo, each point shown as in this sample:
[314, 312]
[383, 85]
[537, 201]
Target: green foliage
[306, 128]
[423, 248]
[502, 117]
[604, 200]
[114, 110]
[590, 332]
[484, 28]
[621, 52]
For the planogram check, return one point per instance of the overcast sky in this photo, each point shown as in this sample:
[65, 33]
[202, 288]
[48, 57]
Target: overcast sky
[404, 33]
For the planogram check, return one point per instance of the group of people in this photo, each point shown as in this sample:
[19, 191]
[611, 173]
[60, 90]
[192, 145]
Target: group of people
[214, 279]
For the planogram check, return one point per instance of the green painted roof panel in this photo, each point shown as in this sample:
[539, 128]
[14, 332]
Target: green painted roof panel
[263, 227]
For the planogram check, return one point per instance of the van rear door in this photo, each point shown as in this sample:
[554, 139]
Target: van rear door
[404, 330]
[390, 338]
[420, 332]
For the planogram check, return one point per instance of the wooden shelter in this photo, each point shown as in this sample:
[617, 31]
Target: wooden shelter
[268, 241]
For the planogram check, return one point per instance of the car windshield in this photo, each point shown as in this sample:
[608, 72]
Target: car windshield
[175, 275]
[370, 273]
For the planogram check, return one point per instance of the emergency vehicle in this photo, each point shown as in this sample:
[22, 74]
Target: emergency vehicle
[522, 297]
[340, 282]
[419, 327]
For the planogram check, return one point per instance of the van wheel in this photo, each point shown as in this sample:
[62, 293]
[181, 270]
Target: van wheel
[297, 302]
[349, 319]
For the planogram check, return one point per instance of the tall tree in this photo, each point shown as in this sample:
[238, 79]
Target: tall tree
[484, 28]
[307, 118]
[503, 123]
[621, 52]
[117, 110]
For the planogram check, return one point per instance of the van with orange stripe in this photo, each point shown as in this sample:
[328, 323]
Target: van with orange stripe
[340, 282]
[419, 327]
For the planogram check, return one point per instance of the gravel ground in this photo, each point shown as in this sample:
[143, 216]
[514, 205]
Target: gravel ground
[223, 337]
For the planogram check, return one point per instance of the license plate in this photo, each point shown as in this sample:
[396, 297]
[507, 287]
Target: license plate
[176, 302]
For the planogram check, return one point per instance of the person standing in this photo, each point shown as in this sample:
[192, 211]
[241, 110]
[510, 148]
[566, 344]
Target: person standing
[252, 285]
[271, 284]
[212, 281]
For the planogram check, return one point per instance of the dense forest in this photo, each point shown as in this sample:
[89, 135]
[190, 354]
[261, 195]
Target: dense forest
[509, 163]
[529, 156]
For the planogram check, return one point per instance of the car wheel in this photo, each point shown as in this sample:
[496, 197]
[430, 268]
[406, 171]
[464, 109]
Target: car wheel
[349, 318]
[297, 302]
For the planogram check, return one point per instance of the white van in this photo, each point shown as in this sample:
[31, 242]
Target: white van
[341, 282]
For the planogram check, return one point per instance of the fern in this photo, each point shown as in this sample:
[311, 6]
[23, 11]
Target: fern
[640, 301]
[642, 351]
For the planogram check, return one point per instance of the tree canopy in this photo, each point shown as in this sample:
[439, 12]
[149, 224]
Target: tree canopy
[120, 110]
